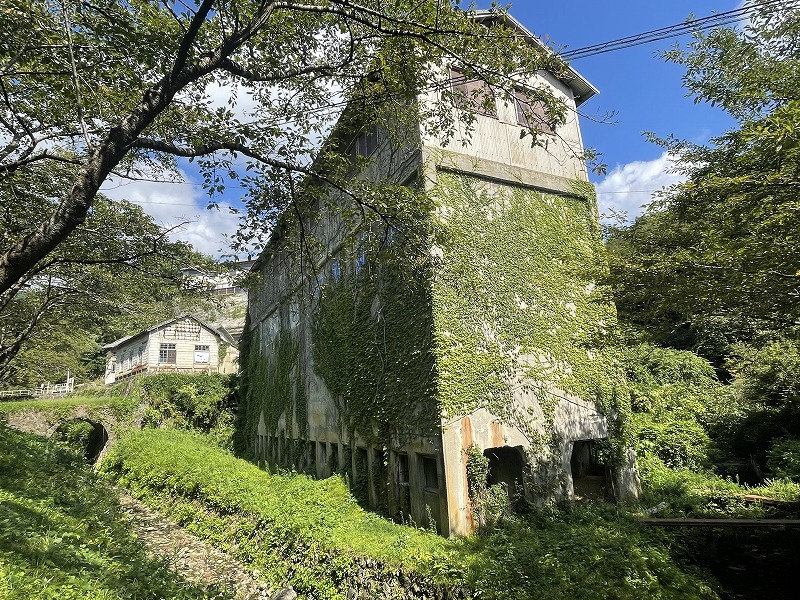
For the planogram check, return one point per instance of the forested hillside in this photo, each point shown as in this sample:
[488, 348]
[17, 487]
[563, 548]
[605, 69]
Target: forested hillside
[707, 281]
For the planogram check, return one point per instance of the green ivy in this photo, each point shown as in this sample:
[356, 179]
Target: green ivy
[372, 346]
[271, 386]
[515, 299]
[496, 287]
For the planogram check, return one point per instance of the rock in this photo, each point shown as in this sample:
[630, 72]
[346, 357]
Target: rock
[285, 594]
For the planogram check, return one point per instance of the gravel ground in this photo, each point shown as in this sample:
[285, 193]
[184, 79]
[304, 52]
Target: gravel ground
[192, 558]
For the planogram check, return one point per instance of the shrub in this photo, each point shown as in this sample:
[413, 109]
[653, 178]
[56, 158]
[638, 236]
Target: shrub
[203, 402]
[783, 458]
[74, 434]
[678, 443]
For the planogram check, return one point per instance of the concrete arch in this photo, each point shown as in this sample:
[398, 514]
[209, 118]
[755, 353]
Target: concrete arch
[46, 421]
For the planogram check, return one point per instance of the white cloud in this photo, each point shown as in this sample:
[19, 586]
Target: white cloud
[184, 204]
[628, 189]
[234, 97]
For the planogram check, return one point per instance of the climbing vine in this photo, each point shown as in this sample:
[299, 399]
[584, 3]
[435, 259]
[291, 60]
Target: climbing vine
[372, 346]
[496, 295]
[272, 387]
[516, 307]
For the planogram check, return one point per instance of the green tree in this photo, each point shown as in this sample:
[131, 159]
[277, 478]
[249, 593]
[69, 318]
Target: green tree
[716, 259]
[118, 271]
[106, 87]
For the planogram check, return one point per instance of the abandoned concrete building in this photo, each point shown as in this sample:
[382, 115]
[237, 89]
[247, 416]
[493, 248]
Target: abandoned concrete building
[434, 368]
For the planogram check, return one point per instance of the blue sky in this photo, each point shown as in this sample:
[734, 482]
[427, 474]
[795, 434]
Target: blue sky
[643, 92]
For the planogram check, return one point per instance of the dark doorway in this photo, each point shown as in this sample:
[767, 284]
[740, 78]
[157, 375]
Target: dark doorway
[588, 474]
[505, 469]
[97, 441]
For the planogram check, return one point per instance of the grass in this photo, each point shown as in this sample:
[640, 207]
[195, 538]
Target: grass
[312, 534]
[64, 536]
[62, 403]
[698, 494]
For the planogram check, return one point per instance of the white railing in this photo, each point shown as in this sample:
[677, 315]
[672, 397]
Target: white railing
[16, 393]
[49, 390]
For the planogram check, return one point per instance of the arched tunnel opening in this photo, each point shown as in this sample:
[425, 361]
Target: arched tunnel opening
[84, 437]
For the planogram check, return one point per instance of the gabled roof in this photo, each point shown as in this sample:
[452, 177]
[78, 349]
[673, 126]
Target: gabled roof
[217, 330]
[582, 90]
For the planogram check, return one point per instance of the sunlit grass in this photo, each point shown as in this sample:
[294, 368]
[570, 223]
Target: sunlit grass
[311, 534]
[64, 536]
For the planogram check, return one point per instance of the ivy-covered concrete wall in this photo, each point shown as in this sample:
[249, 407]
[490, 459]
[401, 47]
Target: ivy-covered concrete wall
[523, 333]
[456, 313]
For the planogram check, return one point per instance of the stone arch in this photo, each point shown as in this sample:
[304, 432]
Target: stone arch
[96, 442]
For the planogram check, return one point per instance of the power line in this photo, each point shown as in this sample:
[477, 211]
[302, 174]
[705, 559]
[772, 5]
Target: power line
[671, 31]
[718, 20]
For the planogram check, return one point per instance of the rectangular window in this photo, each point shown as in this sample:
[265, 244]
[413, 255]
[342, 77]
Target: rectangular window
[333, 458]
[402, 469]
[472, 95]
[533, 114]
[202, 354]
[167, 354]
[431, 473]
[362, 461]
[323, 453]
[365, 144]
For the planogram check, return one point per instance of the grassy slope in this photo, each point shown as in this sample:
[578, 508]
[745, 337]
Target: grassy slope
[310, 533]
[61, 403]
[63, 535]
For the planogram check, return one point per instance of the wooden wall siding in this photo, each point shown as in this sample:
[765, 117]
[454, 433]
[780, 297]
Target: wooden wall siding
[497, 138]
[185, 335]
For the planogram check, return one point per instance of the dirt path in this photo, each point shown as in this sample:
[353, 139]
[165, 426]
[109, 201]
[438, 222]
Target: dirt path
[192, 558]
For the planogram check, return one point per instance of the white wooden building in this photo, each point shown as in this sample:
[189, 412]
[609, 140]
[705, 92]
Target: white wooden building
[183, 344]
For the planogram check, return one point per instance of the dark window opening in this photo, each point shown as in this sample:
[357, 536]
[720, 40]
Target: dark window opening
[588, 473]
[505, 469]
[361, 463]
[533, 114]
[311, 457]
[402, 469]
[333, 458]
[473, 95]
[431, 471]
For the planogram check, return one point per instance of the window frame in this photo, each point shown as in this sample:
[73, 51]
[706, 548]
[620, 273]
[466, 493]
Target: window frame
[167, 351]
[202, 348]
[468, 94]
[535, 117]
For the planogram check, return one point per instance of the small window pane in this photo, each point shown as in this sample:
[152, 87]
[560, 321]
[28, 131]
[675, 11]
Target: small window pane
[472, 95]
[167, 354]
[532, 114]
